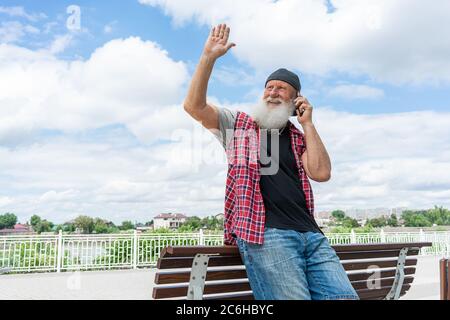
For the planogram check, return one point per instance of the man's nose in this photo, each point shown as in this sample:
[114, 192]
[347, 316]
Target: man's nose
[273, 93]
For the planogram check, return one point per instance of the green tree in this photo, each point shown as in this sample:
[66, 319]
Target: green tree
[8, 221]
[392, 221]
[192, 224]
[44, 226]
[420, 221]
[100, 226]
[40, 225]
[348, 222]
[412, 218]
[439, 216]
[339, 215]
[34, 221]
[421, 218]
[85, 223]
[149, 223]
[68, 227]
[212, 223]
[127, 225]
[378, 222]
[162, 230]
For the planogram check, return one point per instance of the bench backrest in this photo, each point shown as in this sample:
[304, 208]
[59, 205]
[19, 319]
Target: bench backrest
[226, 277]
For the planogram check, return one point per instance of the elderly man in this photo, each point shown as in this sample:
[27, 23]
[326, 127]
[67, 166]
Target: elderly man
[269, 201]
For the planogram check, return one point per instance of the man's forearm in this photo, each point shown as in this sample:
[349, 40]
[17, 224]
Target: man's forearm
[318, 160]
[196, 97]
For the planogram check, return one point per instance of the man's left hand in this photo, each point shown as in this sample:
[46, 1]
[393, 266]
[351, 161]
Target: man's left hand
[304, 110]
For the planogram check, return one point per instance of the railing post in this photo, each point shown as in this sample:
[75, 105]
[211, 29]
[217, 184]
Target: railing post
[59, 254]
[421, 235]
[382, 236]
[353, 236]
[135, 249]
[202, 239]
[448, 244]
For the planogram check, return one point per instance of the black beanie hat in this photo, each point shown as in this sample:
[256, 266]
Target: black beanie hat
[286, 76]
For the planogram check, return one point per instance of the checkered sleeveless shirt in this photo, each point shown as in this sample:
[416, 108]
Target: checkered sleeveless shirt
[244, 205]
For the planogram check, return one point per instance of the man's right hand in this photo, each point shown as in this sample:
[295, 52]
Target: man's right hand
[217, 44]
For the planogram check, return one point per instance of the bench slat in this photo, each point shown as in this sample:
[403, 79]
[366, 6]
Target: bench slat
[363, 276]
[178, 277]
[367, 294]
[181, 290]
[239, 296]
[351, 266]
[221, 261]
[380, 246]
[189, 251]
[359, 285]
[354, 255]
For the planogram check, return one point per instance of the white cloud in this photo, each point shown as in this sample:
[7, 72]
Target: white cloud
[60, 43]
[21, 13]
[109, 28]
[353, 92]
[14, 31]
[397, 41]
[382, 160]
[125, 81]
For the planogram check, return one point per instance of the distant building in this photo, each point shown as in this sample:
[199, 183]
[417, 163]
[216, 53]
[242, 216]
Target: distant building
[322, 222]
[169, 220]
[323, 215]
[362, 222]
[398, 211]
[219, 216]
[144, 228]
[19, 229]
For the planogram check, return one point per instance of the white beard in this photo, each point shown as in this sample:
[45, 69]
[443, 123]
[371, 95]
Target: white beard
[274, 117]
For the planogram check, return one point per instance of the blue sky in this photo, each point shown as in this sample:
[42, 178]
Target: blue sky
[90, 115]
[130, 18]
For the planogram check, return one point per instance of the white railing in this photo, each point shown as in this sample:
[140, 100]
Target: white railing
[125, 251]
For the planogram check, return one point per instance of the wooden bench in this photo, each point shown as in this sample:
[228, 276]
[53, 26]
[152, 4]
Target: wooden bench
[445, 279]
[196, 273]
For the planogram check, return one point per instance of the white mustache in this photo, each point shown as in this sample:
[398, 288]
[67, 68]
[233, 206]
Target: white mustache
[275, 100]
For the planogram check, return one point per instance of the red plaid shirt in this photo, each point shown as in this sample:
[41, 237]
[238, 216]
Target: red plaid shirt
[244, 206]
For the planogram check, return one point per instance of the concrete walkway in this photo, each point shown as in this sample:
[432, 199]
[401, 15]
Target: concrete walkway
[138, 284]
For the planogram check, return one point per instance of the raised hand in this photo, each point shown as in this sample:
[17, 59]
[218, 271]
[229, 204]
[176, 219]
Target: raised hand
[217, 44]
[304, 110]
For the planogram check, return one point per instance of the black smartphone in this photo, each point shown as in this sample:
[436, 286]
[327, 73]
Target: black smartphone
[294, 114]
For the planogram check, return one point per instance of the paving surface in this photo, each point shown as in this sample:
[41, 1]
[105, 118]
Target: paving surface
[138, 284]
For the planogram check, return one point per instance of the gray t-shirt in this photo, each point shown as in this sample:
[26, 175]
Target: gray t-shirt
[227, 120]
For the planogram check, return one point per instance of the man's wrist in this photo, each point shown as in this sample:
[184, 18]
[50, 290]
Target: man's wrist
[307, 125]
[208, 58]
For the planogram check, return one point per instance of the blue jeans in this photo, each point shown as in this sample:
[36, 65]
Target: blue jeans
[292, 265]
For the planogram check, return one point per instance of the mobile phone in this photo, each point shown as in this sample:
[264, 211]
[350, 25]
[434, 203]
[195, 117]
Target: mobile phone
[295, 110]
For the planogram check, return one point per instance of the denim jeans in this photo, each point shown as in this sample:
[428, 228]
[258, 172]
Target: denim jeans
[292, 265]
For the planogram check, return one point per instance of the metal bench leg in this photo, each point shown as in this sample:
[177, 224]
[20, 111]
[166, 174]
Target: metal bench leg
[396, 289]
[198, 276]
